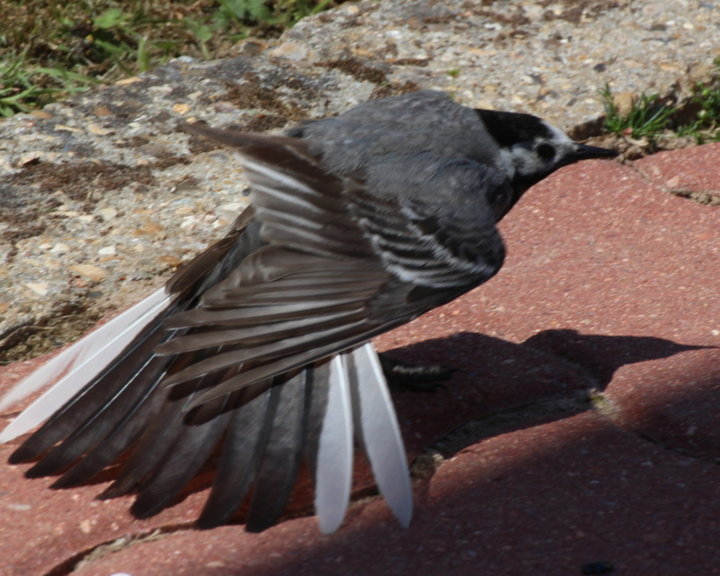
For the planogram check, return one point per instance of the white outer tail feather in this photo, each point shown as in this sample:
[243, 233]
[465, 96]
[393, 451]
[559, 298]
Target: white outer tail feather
[72, 369]
[360, 369]
[335, 452]
[381, 434]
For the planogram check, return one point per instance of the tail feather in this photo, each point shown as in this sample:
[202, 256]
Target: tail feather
[335, 448]
[380, 432]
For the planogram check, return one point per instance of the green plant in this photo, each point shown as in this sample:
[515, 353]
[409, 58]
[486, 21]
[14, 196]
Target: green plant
[646, 118]
[706, 123]
[23, 86]
[49, 48]
[267, 14]
[231, 11]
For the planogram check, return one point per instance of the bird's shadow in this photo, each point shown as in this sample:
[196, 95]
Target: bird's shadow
[499, 386]
[496, 386]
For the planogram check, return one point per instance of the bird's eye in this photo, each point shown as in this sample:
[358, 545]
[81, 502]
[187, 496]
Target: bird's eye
[545, 152]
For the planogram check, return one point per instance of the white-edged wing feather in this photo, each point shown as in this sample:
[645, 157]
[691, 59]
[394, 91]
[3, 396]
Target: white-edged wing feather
[335, 450]
[380, 432]
[70, 370]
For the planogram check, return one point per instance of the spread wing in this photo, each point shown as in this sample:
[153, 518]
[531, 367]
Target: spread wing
[342, 263]
[258, 346]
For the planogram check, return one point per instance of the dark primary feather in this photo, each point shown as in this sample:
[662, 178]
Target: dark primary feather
[358, 223]
[245, 441]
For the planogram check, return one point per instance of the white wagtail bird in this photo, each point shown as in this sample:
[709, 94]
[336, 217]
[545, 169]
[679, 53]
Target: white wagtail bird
[257, 354]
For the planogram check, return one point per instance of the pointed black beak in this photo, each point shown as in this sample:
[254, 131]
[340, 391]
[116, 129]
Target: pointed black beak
[585, 152]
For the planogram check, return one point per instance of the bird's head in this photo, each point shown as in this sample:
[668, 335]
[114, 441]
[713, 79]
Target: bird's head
[531, 149]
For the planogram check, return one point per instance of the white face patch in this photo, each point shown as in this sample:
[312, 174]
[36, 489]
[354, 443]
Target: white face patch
[539, 157]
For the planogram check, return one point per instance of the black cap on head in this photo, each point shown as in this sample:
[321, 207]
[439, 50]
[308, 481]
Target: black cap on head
[508, 128]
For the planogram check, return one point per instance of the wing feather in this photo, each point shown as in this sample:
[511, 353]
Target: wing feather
[278, 466]
[79, 364]
[243, 444]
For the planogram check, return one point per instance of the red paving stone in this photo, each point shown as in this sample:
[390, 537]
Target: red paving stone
[610, 284]
[543, 500]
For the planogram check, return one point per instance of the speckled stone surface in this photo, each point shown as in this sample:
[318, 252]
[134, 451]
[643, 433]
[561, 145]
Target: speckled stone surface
[103, 195]
[579, 430]
[547, 57]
